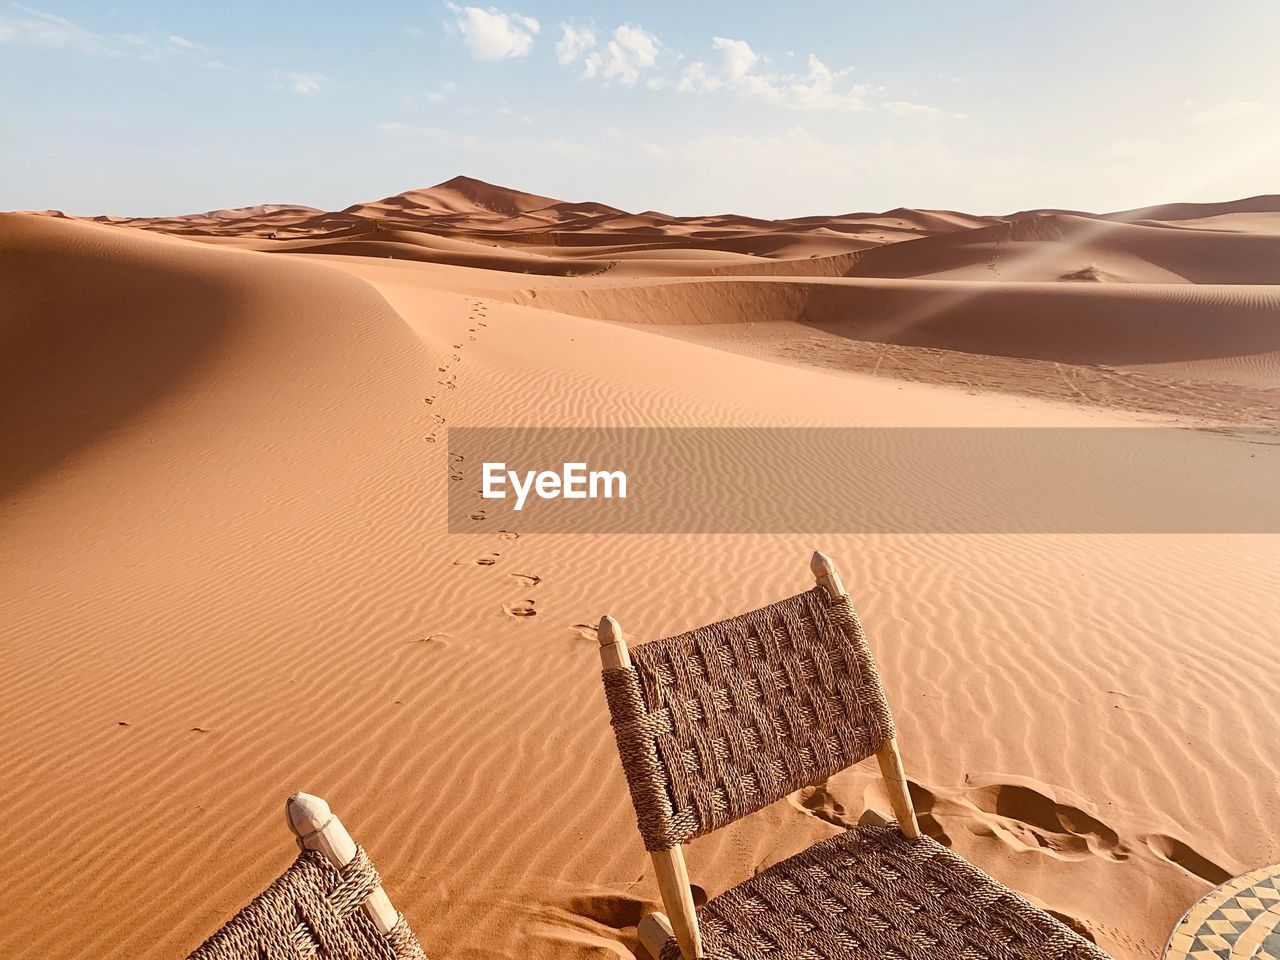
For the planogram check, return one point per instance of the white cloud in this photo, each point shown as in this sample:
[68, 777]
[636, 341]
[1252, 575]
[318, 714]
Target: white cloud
[306, 84]
[47, 31]
[813, 90]
[741, 70]
[493, 34]
[574, 43]
[182, 43]
[632, 50]
[738, 57]
[38, 30]
[698, 78]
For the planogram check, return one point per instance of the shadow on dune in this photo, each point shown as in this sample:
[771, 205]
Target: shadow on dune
[1070, 324]
[86, 342]
[1110, 324]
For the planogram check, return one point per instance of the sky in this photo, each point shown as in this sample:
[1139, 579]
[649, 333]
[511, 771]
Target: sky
[764, 109]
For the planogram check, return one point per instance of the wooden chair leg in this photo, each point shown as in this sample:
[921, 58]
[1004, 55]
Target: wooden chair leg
[895, 779]
[668, 865]
[888, 756]
[677, 897]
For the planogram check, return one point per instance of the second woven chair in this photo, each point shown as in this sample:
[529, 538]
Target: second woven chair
[329, 904]
[717, 723]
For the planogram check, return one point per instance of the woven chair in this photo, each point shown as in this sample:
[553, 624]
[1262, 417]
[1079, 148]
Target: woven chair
[717, 723]
[329, 905]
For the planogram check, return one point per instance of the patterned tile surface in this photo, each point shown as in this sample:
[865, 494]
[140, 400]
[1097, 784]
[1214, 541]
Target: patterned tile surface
[1239, 920]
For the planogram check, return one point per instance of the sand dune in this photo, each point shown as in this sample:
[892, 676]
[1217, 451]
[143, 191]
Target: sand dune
[1269, 204]
[464, 206]
[1067, 323]
[1063, 247]
[227, 574]
[405, 245]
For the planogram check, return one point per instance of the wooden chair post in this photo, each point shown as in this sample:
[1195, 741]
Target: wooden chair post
[888, 756]
[317, 828]
[668, 865]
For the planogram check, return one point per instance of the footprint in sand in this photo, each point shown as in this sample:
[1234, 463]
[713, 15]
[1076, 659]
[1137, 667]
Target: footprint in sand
[455, 457]
[525, 579]
[478, 515]
[508, 535]
[1019, 815]
[430, 438]
[592, 921]
[521, 608]
[1026, 819]
[1179, 854]
[488, 560]
[585, 630]
[616, 910]
[428, 399]
[821, 802]
[455, 475]
[818, 801]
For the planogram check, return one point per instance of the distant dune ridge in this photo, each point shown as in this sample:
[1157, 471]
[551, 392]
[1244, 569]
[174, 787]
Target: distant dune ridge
[226, 574]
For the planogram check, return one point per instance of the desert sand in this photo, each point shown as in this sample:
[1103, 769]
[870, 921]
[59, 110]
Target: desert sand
[225, 573]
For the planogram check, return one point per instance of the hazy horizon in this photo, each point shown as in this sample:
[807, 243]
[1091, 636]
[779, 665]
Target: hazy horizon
[536, 192]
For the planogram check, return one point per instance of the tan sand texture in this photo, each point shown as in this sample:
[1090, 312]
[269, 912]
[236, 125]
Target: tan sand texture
[225, 574]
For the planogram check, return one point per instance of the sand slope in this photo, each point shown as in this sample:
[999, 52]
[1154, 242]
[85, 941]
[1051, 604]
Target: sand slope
[226, 577]
[1066, 248]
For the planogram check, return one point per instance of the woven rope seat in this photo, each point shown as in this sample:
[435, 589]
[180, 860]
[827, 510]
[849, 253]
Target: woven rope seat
[314, 911]
[871, 893]
[719, 722]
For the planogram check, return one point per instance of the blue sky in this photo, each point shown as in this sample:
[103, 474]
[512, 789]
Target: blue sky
[765, 109]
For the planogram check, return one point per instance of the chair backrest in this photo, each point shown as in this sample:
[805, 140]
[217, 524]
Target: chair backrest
[721, 721]
[317, 908]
